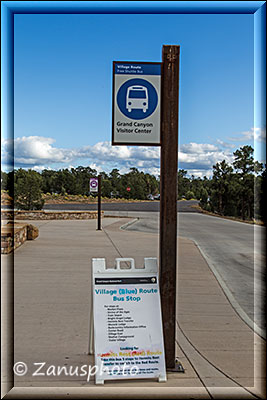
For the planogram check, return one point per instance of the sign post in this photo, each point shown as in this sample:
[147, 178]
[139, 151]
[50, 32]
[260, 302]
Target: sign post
[168, 196]
[95, 187]
[99, 204]
[145, 112]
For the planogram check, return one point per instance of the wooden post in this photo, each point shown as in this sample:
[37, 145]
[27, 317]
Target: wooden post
[99, 204]
[168, 196]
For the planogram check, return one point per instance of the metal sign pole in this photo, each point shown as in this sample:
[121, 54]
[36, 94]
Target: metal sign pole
[168, 196]
[99, 204]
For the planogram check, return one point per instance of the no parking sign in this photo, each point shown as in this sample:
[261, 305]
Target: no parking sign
[136, 103]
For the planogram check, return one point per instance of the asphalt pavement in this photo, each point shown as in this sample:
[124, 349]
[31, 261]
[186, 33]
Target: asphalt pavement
[235, 250]
[144, 206]
[221, 356]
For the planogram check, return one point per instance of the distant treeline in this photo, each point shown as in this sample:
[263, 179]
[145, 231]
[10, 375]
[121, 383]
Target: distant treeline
[237, 189]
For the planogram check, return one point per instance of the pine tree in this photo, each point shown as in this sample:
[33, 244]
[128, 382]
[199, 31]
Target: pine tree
[27, 190]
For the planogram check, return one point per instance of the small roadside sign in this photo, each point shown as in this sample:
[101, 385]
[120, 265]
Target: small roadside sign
[94, 185]
[136, 103]
[128, 338]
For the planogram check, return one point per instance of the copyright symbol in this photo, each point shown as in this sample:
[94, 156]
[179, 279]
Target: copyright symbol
[20, 368]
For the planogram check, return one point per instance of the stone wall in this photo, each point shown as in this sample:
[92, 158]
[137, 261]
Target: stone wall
[49, 215]
[13, 236]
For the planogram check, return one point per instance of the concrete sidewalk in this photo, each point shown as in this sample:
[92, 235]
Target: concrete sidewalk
[220, 354]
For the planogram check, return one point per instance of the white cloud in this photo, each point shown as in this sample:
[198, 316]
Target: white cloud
[225, 145]
[37, 151]
[196, 148]
[40, 152]
[154, 171]
[200, 173]
[104, 151]
[259, 134]
[254, 134]
[39, 168]
[202, 156]
[98, 168]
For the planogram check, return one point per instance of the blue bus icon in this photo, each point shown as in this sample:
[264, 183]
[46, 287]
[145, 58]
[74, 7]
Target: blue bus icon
[137, 98]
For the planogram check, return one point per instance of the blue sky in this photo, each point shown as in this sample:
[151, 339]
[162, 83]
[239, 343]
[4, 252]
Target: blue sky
[63, 87]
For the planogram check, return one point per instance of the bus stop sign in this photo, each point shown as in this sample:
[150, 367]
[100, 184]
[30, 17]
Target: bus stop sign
[136, 103]
[94, 185]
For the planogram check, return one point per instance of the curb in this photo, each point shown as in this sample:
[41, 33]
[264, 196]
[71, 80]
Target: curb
[123, 227]
[261, 332]
[240, 312]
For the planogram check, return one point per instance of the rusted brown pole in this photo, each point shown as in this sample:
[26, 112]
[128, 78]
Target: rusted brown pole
[168, 196]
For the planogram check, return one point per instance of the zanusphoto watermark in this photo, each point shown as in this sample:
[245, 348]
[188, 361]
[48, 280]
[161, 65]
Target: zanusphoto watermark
[20, 368]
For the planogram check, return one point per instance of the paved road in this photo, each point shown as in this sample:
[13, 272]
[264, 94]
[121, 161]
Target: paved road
[235, 249]
[148, 206]
[51, 281]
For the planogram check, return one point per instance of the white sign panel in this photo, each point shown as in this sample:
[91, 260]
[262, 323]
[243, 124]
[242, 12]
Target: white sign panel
[128, 338]
[93, 184]
[136, 103]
